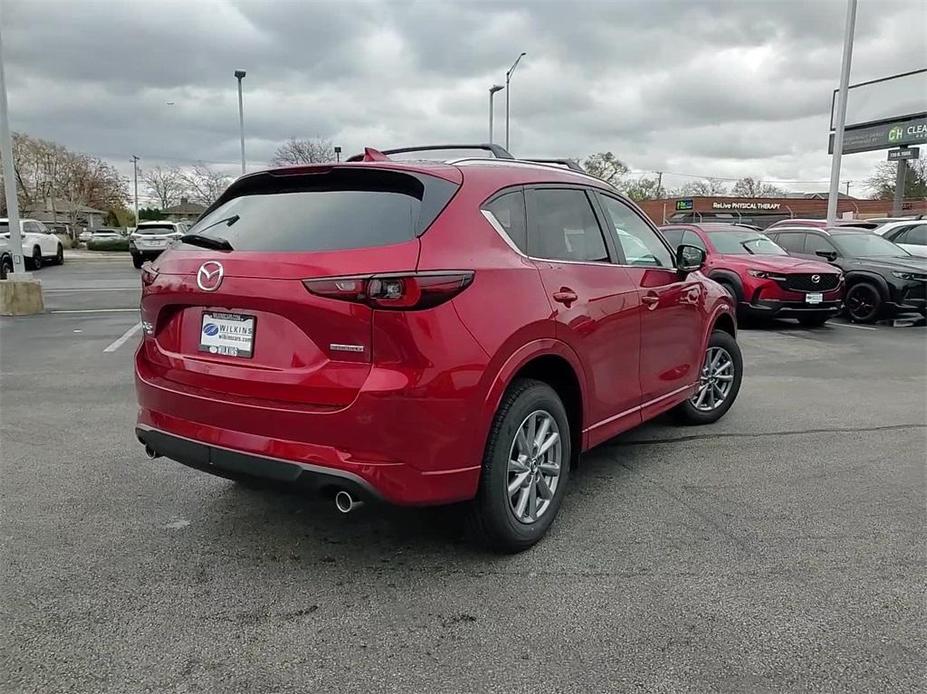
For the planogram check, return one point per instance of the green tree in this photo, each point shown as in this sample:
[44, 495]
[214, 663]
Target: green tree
[606, 166]
[753, 188]
[150, 214]
[882, 182]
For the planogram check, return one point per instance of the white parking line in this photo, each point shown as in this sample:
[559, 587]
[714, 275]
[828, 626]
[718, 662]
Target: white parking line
[83, 289]
[850, 325]
[119, 342]
[94, 310]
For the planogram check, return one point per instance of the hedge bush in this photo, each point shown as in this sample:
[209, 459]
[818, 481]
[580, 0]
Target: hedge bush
[108, 245]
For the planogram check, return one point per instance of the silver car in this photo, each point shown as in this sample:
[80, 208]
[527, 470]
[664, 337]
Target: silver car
[150, 239]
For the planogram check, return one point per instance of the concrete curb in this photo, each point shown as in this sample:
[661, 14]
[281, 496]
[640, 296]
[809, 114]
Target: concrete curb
[21, 297]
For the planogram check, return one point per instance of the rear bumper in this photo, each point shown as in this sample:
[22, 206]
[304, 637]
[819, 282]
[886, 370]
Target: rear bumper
[217, 460]
[792, 309]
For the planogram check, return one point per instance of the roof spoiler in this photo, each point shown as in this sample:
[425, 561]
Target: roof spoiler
[371, 154]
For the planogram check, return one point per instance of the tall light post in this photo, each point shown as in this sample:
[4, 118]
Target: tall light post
[492, 91]
[240, 75]
[841, 111]
[508, 90]
[9, 178]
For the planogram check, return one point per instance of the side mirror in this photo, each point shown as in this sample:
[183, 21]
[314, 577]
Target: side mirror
[689, 258]
[831, 256]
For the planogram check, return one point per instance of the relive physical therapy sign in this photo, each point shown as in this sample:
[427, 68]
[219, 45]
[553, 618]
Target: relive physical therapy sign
[748, 205]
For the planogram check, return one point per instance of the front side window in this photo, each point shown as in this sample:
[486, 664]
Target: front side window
[673, 236]
[509, 212]
[815, 243]
[640, 244]
[867, 246]
[791, 242]
[565, 227]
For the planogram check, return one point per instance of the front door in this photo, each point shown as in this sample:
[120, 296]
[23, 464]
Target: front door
[594, 302]
[672, 311]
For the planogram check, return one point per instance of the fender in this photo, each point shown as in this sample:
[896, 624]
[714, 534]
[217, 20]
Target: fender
[731, 278]
[850, 278]
[721, 309]
[515, 361]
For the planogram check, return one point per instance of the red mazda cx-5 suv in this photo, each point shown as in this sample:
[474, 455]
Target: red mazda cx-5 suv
[424, 333]
[764, 279]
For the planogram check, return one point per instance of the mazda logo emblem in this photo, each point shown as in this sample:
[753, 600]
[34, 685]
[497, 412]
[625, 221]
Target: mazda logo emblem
[209, 276]
[814, 278]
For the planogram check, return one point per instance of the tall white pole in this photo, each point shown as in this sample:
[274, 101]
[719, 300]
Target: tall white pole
[492, 92]
[239, 74]
[135, 180]
[841, 112]
[9, 176]
[508, 81]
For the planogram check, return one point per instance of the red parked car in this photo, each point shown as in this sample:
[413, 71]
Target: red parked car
[764, 279]
[425, 333]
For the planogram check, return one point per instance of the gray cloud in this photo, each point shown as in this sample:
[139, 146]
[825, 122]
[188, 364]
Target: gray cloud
[710, 88]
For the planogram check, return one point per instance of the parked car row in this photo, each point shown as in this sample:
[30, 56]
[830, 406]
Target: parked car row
[807, 270]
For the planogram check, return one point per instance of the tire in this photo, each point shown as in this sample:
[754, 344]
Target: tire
[863, 302]
[59, 255]
[491, 517]
[35, 262]
[695, 411]
[729, 288]
[137, 261]
[6, 266]
[814, 320]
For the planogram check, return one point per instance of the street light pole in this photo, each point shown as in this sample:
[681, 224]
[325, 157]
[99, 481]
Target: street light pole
[135, 182]
[841, 112]
[492, 91]
[9, 178]
[508, 79]
[239, 75]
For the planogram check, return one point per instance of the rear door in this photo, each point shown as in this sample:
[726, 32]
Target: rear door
[594, 303]
[242, 322]
[672, 316]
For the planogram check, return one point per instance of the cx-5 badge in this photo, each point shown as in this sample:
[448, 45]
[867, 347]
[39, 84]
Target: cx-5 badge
[209, 276]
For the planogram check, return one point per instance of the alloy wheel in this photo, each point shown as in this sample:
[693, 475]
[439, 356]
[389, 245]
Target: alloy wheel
[861, 303]
[534, 466]
[716, 380]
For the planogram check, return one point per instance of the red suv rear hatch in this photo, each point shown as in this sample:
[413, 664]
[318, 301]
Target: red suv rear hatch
[241, 324]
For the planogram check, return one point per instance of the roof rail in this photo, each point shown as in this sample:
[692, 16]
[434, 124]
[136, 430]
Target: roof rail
[568, 163]
[497, 151]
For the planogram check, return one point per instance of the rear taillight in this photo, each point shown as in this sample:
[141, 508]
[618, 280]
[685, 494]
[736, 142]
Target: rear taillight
[401, 291]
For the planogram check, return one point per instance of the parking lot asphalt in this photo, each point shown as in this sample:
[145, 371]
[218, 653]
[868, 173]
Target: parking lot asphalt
[782, 549]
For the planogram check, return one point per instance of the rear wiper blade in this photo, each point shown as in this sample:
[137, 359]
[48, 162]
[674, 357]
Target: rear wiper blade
[206, 242]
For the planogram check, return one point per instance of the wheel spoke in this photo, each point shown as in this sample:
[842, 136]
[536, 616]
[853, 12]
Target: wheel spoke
[543, 489]
[521, 440]
[551, 440]
[523, 501]
[551, 469]
[711, 397]
[725, 377]
[532, 501]
[532, 432]
[717, 389]
[518, 464]
[541, 433]
[517, 481]
[702, 391]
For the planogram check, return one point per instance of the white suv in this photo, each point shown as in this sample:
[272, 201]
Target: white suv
[39, 243]
[150, 239]
[910, 234]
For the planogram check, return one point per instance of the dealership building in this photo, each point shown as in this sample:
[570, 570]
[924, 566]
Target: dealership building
[764, 211]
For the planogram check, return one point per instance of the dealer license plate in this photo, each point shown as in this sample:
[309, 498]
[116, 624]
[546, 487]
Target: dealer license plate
[229, 334]
[815, 298]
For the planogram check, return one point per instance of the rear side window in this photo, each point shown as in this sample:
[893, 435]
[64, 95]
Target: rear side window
[565, 227]
[916, 235]
[815, 243]
[509, 211]
[331, 210]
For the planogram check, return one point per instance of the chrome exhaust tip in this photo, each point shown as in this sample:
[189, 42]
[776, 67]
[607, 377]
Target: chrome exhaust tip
[150, 452]
[346, 503]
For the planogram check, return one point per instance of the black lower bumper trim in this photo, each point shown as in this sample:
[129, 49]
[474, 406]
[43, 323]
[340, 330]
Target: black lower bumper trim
[234, 465]
[786, 309]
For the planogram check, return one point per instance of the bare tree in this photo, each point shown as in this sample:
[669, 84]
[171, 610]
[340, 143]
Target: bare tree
[166, 185]
[311, 151]
[882, 182]
[205, 184]
[606, 166]
[753, 188]
[706, 187]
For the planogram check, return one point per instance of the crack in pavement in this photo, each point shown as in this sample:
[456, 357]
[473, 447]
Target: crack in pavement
[761, 434]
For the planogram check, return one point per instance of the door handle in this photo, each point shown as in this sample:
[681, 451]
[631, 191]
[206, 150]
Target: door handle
[565, 296]
[650, 300]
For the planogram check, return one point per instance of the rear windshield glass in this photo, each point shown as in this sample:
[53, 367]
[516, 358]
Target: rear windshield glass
[743, 243]
[155, 228]
[338, 211]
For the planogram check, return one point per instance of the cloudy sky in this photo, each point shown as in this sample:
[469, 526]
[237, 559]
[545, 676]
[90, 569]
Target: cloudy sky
[705, 88]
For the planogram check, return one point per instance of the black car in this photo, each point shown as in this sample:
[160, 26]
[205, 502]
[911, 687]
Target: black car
[882, 279]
